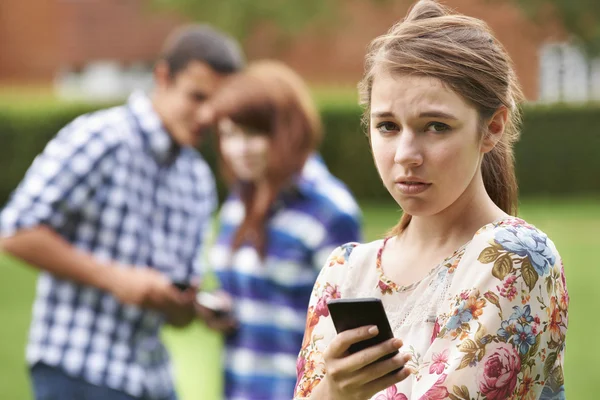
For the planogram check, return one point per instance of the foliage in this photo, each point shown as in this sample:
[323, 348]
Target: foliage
[241, 17]
[557, 153]
[581, 18]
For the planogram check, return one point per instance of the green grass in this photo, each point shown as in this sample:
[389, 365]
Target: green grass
[574, 225]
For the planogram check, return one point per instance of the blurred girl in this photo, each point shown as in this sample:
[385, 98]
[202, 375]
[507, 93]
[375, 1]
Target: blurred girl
[284, 215]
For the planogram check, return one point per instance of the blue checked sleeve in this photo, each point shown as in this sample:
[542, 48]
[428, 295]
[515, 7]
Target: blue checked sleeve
[60, 179]
[208, 201]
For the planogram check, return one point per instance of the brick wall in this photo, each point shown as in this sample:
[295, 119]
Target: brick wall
[337, 55]
[37, 41]
[127, 30]
[28, 40]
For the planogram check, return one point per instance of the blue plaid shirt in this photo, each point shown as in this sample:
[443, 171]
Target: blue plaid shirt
[271, 295]
[114, 184]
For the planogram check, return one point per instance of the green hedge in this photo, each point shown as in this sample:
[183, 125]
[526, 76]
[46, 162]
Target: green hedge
[559, 152]
[24, 131]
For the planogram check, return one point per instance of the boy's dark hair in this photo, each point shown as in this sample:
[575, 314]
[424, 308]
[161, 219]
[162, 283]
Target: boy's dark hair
[201, 42]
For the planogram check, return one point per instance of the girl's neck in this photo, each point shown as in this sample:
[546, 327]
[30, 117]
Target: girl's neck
[456, 224]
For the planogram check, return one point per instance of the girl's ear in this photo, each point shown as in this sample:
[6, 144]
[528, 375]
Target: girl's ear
[494, 129]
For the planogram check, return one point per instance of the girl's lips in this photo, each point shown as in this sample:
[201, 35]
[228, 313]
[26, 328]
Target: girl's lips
[411, 187]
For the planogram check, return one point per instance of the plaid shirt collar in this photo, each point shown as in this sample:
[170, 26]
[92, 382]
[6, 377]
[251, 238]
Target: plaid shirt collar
[157, 139]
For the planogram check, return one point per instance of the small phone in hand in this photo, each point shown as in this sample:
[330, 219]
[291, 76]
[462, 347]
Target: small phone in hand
[182, 286]
[354, 313]
[213, 303]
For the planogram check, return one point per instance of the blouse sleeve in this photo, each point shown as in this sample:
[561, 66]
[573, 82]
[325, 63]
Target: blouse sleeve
[503, 333]
[319, 329]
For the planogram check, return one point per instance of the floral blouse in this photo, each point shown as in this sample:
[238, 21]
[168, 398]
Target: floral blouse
[489, 322]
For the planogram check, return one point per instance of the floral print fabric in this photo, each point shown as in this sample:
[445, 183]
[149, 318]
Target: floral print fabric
[489, 322]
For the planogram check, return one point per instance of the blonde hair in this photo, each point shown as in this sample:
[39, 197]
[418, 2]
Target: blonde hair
[461, 52]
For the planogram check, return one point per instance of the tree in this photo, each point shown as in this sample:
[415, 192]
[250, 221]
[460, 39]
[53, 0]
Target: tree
[581, 18]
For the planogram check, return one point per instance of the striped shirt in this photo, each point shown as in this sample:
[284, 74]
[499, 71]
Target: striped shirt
[271, 295]
[113, 184]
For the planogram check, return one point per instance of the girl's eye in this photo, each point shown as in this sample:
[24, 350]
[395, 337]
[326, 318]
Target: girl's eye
[387, 127]
[437, 127]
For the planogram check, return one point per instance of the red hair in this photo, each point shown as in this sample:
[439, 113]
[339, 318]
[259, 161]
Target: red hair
[268, 97]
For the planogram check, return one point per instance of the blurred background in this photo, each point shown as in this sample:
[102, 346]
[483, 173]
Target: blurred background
[61, 58]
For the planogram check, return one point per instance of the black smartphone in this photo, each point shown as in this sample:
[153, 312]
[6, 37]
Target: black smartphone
[182, 286]
[354, 313]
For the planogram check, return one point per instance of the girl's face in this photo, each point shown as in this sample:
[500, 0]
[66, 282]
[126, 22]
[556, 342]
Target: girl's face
[245, 151]
[426, 142]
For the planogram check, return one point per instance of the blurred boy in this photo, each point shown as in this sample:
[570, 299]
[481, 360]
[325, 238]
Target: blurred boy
[112, 212]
